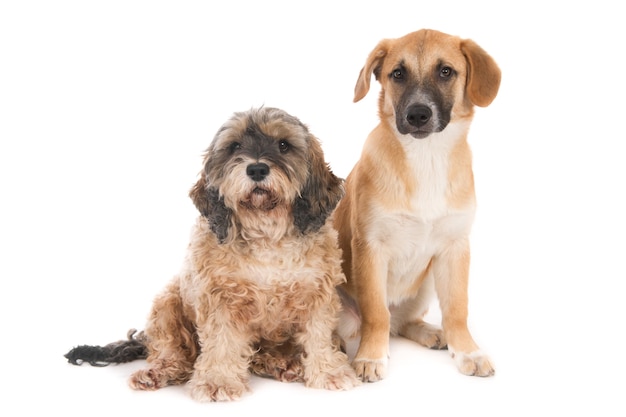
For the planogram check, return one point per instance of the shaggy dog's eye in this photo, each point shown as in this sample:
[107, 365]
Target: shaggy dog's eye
[446, 72]
[234, 147]
[283, 146]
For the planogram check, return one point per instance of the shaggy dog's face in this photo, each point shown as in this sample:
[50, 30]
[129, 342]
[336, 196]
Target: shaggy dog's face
[259, 163]
[265, 162]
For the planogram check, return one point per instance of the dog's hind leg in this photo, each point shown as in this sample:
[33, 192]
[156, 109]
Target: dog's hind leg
[407, 318]
[424, 333]
[172, 344]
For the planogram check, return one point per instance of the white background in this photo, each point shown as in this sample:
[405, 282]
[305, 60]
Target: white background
[106, 108]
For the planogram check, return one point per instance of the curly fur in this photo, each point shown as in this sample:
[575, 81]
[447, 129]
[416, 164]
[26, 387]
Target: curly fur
[257, 291]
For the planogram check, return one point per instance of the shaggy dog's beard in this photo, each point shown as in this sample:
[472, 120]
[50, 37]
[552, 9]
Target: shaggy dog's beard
[263, 214]
[260, 199]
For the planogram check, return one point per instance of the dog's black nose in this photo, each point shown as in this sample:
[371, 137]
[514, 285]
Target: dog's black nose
[418, 115]
[258, 171]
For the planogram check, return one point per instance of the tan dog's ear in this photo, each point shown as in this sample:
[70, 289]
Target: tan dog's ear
[321, 192]
[372, 65]
[209, 203]
[483, 74]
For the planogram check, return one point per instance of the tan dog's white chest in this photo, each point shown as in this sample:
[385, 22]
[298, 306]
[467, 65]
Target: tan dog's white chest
[408, 243]
[408, 237]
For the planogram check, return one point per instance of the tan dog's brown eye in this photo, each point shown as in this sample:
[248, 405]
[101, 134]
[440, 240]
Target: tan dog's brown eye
[445, 72]
[283, 146]
[397, 74]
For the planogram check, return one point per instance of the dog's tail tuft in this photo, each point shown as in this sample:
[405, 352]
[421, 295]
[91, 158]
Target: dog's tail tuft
[130, 349]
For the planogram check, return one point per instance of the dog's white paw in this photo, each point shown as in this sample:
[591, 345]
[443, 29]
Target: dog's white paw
[474, 363]
[370, 370]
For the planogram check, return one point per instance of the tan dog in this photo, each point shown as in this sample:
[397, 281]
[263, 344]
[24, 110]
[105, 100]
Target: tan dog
[409, 205]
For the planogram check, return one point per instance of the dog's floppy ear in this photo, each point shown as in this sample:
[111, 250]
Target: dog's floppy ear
[209, 203]
[372, 65]
[321, 192]
[483, 74]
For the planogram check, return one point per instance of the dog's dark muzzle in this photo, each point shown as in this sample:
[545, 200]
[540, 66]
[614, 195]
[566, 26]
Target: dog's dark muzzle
[420, 114]
[419, 121]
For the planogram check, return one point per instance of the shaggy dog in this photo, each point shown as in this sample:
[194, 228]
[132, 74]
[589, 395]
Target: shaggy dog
[404, 223]
[257, 290]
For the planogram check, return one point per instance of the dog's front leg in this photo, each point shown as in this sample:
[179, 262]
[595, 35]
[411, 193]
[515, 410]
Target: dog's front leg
[325, 365]
[369, 272]
[451, 270]
[221, 370]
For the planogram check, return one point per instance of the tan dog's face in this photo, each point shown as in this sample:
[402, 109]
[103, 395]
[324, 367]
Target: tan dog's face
[428, 79]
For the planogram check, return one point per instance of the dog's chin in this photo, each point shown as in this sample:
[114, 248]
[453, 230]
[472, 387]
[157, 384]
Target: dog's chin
[414, 132]
[420, 135]
[260, 199]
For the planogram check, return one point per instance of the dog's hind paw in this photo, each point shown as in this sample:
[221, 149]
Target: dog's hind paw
[425, 334]
[284, 369]
[145, 380]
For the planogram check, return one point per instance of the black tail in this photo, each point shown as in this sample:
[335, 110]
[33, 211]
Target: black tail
[128, 350]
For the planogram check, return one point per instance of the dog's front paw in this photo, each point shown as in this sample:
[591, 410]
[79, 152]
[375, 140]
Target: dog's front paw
[370, 370]
[204, 391]
[474, 363]
[340, 378]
